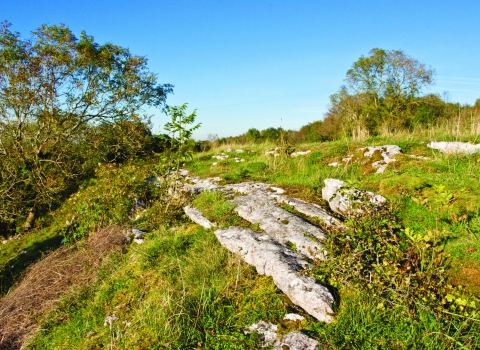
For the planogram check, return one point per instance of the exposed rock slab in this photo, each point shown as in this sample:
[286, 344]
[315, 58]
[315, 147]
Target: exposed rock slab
[221, 156]
[455, 147]
[197, 217]
[297, 341]
[309, 209]
[300, 153]
[387, 152]
[198, 185]
[283, 265]
[273, 152]
[344, 199]
[259, 206]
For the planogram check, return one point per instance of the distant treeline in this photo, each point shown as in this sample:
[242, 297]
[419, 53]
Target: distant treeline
[355, 115]
[381, 95]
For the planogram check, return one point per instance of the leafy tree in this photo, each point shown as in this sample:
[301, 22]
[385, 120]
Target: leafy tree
[477, 103]
[388, 74]
[271, 134]
[57, 92]
[253, 135]
[383, 87]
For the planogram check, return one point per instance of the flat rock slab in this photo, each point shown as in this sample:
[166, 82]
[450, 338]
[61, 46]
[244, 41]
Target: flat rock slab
[299, 153]
[283, 265]
[259, 206]
[344, 199]
[387, 152]
[197, 217]
[455, 147]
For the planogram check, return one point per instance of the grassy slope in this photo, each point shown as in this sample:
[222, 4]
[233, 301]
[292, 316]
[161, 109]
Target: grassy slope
[182, 290]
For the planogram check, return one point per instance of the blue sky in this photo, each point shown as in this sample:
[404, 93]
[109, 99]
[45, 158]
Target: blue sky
[249, 63]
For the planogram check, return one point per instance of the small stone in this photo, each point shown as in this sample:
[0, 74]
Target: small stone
[277, 190]
[137, 233]
[221, 157]
[91, 334]
[297, 341]
[109, 320]
[419, 157]
[268, 331]
[196, 216]
[293, 317]
[296, 154]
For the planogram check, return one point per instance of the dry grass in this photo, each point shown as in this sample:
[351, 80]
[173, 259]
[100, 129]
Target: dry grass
[45, 282]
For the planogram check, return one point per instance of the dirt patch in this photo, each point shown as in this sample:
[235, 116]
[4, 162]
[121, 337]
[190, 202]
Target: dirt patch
[47, 280]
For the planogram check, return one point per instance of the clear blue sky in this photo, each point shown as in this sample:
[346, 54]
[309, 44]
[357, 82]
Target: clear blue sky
[253, 63]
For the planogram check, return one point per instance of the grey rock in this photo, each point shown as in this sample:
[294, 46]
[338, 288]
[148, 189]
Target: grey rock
[285, 266]
[297, 341]
[345, 200]
[309, 209]
[419, 157]
[259, 206]
[109, 320]
[293, 317]
[299, 153]
[200, 185]
[455, 147]
[221, 157]
[268, 332]
[196, 216]
[273, 152]
[137, 233]
[387, 152]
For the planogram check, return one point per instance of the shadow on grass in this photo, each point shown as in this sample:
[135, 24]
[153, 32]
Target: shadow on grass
[15, 267]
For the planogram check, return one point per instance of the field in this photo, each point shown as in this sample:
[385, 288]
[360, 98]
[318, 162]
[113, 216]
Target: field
[181, 289]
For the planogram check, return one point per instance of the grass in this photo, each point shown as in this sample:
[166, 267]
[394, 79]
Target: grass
[182, 290]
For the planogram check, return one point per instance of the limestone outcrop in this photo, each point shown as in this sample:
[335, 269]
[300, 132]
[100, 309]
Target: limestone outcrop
[283, 265]
[387, 152]
[455, 147]
[271, 337]
[197, 217]
[345, 200]
[284, 243]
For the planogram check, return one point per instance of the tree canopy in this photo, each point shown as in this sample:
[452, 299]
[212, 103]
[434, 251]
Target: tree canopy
[381, 88]
[57, 92]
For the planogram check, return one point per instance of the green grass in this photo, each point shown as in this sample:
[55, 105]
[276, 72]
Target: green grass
[177, 291]
[182, 290]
